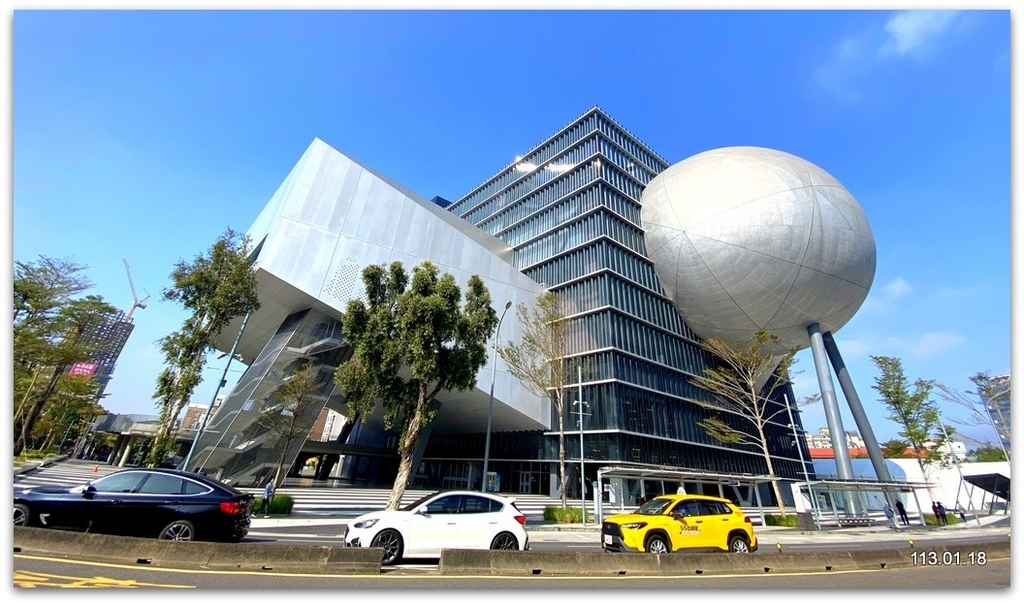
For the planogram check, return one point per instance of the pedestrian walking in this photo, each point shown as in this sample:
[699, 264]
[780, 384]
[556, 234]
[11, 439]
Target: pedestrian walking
[890, 514]
[268, 495]
[935, 511]
[960, 511]
[902, 512]
[942, 513]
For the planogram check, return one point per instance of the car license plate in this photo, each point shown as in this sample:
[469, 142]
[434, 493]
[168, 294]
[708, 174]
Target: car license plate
[607, 539]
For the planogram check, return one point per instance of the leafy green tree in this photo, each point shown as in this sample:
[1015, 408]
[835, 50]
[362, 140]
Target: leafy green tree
[740, 385]
[296, 402]
[409, 345]
[51, 332]
[71, 406]
[895, 448]
[538, 361]
[987, 453]
[216, 288]
[912, 409]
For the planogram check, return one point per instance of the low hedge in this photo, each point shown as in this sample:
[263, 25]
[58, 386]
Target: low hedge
[280, 504]
[782, 520]
[930, 519]
[557, 514]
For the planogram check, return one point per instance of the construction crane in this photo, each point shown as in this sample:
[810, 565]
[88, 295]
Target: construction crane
[136, 303]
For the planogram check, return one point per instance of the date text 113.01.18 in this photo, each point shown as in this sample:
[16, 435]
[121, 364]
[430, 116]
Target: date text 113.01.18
[948, 557]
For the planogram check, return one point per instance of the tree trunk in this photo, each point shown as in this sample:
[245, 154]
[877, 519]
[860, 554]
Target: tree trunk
[280, 465]
[28, 422]
[407, 446]
[157, 453]
[771, 471]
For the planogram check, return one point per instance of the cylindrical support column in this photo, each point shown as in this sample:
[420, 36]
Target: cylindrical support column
[844, 468]
[127, 452]
[859, 417]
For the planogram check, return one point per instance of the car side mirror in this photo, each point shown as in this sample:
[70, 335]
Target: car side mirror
[89, 492]
[421, 510]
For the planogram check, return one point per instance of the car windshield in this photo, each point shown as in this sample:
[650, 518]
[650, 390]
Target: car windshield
[658, 506]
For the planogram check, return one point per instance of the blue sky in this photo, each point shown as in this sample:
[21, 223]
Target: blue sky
[141, 136]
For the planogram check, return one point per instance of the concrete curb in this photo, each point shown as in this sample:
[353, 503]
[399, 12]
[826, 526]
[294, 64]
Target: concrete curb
[352, 561]
[530, 563]
[196, 555]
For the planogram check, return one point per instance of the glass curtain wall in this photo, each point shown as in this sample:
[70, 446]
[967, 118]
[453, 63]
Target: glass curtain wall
[252, 431]
[571, 210]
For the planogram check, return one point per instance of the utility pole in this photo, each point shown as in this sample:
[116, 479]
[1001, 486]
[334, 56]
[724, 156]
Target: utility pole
[583, 476]
[223, 379]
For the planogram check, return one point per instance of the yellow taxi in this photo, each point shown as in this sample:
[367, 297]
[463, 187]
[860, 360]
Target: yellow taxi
[680, 522]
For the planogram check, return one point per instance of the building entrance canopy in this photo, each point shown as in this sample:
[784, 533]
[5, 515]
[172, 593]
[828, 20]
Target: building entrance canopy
[887, 489]
[995, 483]
[810, 488]
[677, 475]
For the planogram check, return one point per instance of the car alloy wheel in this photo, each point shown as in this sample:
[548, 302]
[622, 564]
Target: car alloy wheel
[391, 541]
[181, 531]
[21, 515]
[656, 545]
[504, 541]
[739, 544]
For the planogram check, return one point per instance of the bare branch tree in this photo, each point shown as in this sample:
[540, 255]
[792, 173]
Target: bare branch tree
[301, 396]
[741, 386]
[539, 360]
[981, 406]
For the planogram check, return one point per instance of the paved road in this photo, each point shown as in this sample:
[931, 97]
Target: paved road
[30, 572]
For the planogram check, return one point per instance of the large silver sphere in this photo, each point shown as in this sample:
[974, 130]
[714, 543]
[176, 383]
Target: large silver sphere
[747, 238]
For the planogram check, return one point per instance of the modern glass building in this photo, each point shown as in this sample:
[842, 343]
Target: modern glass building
[564, 216]
[570, 210]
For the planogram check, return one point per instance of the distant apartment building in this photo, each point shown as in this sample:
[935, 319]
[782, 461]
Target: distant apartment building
[327, 426]
[103, 342]
[194, 414]
[823, 440]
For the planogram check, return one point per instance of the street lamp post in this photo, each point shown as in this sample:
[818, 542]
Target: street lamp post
[490, 399]
[803, 465]
[223, 379]
[583, 476]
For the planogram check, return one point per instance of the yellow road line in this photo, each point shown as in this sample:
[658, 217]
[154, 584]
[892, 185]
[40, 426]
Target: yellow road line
[23, 579]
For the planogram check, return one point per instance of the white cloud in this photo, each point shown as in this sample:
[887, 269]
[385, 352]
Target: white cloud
[855, 348]
[931, 344]
[907, 34]
[926, 346]
[881, 299]
[845, 61]
[896, 288]
[915, 33]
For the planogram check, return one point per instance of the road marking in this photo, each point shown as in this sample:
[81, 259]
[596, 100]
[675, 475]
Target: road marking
[23, 579]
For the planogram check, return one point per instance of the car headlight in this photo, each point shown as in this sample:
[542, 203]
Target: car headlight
[637, 525]
[367, 523]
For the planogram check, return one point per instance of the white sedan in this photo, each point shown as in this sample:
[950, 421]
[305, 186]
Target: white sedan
[449, 519]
